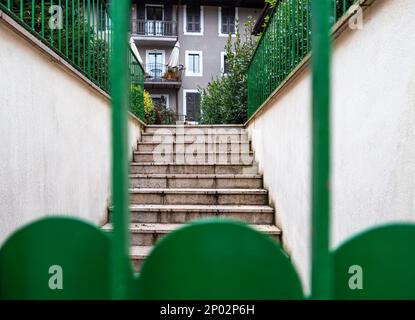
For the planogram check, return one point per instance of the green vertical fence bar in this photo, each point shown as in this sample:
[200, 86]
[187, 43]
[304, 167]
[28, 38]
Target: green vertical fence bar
[73, 30]
[94, 35]
[84, 44]
[89, 37]
[33, 14]
[99, 33]
[120, 89]
[60, 23]
[49, 26]
[78, 20]
[321, 259]
[43, 17]
[107, 41]
[67, 28]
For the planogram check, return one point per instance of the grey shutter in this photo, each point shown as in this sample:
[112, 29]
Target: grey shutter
[192, 106]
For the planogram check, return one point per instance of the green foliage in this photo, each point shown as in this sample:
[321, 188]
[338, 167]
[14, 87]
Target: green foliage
[149, 110]
[224, 100]
[272, 3]
[164, 115]
[136, 101]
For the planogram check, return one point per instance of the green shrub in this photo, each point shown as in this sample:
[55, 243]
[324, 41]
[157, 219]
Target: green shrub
[164, 115]
[225, 99]
[136, 101]
[149, 111]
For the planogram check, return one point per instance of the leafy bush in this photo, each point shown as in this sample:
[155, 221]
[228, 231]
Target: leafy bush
[136, 101]
[164, 115]
[224, 100]
[149, 111]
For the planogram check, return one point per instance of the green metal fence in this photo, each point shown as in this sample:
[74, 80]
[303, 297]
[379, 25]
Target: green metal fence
[284, 44]
[80, 31]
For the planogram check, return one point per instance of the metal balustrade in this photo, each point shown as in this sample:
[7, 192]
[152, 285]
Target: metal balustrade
[158, 72]
[285, 42]
[154, 28]
[79, 31]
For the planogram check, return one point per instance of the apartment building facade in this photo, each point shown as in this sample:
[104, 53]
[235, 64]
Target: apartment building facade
[199, 30]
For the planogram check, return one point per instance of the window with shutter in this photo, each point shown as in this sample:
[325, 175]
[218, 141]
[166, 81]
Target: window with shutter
[228, 20]
[192, 106]
[193, 18]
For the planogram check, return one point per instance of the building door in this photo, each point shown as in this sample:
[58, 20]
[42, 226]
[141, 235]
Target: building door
[154, 17]
[192, 106]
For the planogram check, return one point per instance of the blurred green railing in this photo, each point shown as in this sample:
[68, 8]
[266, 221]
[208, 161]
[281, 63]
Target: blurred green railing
[284, 44]
[80, 32]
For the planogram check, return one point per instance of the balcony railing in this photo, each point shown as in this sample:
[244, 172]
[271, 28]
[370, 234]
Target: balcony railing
[154, 28]
[284, 44]
[82, 36]
[157, 72]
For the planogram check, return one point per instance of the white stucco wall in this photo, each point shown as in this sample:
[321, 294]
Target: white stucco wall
[54, 138]
[373, 134]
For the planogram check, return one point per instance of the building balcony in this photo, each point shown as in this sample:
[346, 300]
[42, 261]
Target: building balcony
[161, 77]
[154, 31]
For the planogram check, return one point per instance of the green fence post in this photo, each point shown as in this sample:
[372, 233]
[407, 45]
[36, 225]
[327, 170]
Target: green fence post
[120, 103]
[321, 258]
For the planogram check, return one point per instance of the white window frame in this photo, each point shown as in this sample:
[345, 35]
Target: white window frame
[185, 91]
[167, 96]
[161, 23]
[202, 23]
[163, 52]
[188, 72]
[222, 63]
[220, 23]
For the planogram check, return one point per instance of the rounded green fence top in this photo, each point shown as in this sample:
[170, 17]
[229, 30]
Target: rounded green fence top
[56, 258]
[218, 260]
[378, 264]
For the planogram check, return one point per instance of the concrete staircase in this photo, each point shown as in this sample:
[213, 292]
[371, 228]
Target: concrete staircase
[184, 173]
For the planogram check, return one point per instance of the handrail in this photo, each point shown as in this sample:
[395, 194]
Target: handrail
[285, 42]
[79, 31]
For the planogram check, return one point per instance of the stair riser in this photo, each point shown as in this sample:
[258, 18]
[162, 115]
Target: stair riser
[220, 183]
[197, 130]
[137, 264]
[192, 138]
[186, 217]
[202, 199]
[204, 158]
[150, 239]
[194, 147]
[194, 169]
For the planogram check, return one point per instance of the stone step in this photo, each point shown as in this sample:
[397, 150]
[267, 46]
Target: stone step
[195, 137]
[157, 168]
[190, 147]
[193, 128]
[138, 254]
[199, 196]
[186, 213]
[210, 181]
[147, 234]
[205, 157]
